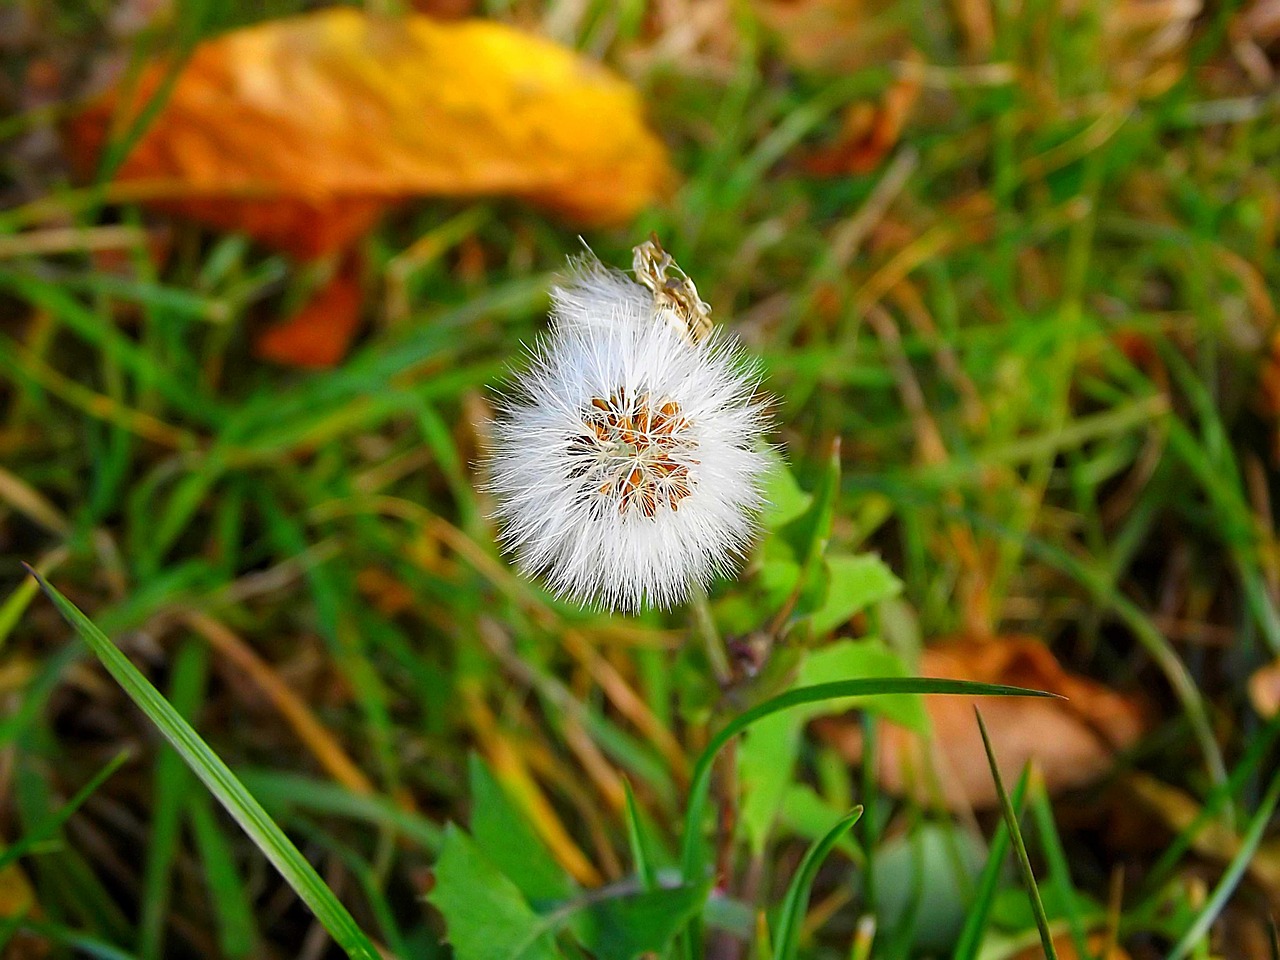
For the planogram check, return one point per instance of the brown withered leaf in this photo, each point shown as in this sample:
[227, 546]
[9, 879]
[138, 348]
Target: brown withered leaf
[836, 36]
[1072, 741]
[868, 132]
[1065, 947]
[318, 335]
[301, 131]
[1177, 810]
[1264, 689]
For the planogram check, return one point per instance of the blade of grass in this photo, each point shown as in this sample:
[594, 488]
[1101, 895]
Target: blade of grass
[231, 901]
[48, 828]
[1056, 857]
[1231, 876]
[222, 783]
[975, 921]
[635, 836]
[285, 790]
[1259, 747]
[77, 940]
[1020, 848]
[793, 905]
[170, 786]
[700, 785]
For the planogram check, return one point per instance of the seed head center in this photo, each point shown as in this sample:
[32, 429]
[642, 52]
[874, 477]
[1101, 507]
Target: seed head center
[634, 451]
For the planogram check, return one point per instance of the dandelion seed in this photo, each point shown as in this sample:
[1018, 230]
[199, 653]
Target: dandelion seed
[627, 462]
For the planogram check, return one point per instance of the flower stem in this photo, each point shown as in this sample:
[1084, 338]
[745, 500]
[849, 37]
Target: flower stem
[705, 625]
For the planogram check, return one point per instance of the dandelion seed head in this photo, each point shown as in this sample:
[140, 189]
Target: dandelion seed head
[627, 459]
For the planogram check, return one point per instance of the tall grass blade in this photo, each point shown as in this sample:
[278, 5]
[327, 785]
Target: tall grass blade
[221, 782]
[797, 897]
[1231, 876]
[1020, 848]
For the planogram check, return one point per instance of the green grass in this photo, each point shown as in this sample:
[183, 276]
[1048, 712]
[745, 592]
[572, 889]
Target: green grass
[1038, 329]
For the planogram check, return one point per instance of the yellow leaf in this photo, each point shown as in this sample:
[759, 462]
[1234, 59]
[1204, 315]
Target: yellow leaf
[301, 131]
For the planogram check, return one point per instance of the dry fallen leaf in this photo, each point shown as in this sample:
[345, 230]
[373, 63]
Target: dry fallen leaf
[1177, 810]
[301, 131]
[1064, 946]
[1264, 689]
[1072, 741]
[869, 131]
[836, 36]
[318, 335]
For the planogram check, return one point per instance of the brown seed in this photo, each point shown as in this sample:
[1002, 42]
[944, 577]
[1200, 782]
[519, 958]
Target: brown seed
[648, 502]
[599, 404]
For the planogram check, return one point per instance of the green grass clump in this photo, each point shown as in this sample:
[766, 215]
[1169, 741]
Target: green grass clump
[1025, 383]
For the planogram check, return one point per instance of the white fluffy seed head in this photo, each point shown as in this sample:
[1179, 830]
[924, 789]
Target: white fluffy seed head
[627, 461]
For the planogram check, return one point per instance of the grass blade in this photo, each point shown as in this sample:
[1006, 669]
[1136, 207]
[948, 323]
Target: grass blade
[1020, 848]
[49, 827]
[1231, 876]
[231, 902]
[171, 784]
[691, 860]
[222, 783]
[635, 834]
[975, 921]
[797, 897]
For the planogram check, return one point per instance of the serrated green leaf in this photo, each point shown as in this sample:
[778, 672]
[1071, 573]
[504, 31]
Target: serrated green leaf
[486, 916]
[624, 927]
[504, 836]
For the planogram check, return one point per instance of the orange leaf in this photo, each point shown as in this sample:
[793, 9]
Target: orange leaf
[319, 334]
[301, 131]
[1264, 689]
[868, 132]
[1072, 741]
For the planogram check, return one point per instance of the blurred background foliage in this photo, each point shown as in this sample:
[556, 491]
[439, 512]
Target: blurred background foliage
[1009, 267]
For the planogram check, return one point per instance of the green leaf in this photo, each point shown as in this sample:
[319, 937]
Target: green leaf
[504, 836]
[222, 783]
[624, 927]
[784, 499]
[808, 815]
[766, 758]
[797, 898]
[852, 659]
[807, 534]
[924, 881]
[486, 915]
[768, 753]
[853, 584]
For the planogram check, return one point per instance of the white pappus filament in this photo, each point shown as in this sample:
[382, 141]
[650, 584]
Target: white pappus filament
[627, 460]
